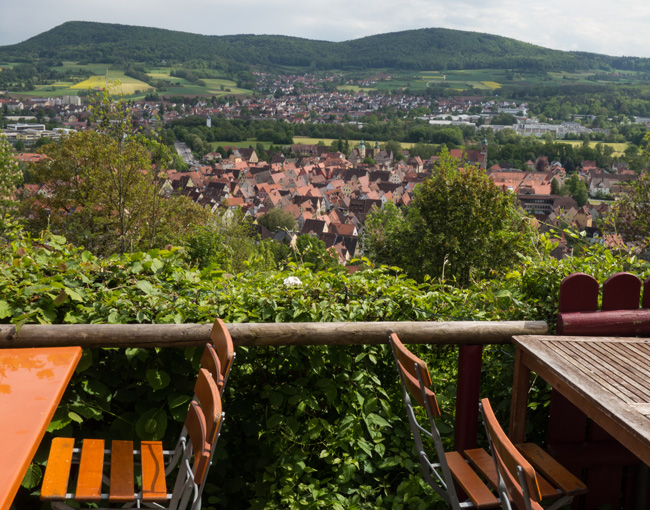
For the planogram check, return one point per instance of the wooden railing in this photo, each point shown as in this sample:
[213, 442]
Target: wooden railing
[469, 335]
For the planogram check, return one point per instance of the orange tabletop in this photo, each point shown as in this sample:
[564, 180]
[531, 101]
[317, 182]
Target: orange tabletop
[32, 382]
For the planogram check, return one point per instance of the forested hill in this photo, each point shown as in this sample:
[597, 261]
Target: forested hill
[424, 49]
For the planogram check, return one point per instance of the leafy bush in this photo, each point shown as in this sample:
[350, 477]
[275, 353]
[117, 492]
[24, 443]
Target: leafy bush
[306, 427]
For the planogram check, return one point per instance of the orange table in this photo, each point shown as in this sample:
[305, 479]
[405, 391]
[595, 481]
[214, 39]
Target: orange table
[32, 382]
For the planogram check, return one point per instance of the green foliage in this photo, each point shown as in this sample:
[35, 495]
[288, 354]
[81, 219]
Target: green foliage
[10, 178]
[575, 187]
[459, 226]
[104, 187]
[278, 219]
[309, 251]
[631, 211]
[429, 49]
[306, 427]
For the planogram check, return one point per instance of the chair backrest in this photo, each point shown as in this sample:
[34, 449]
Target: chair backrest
[190, 479]
[195, 424]
[416, 383]
[210, 361]
[517, 478]
[222, 342]
[412, 370]
[207, 394]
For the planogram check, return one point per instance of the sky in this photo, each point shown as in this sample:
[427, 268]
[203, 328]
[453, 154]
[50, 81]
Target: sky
[599, 26]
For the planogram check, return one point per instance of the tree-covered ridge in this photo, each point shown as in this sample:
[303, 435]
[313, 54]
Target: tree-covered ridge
[431, 48]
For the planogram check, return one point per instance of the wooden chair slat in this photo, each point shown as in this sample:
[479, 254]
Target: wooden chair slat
[122, 488]
[621, 291]
[409, 360]
[196, 429]
[91, 467]
[552, 470]
[57, 472]
[222, 341]
[509, 458]
[210, 361]
[470, 482]
[578, 293]
[154, 486]
[484, 464]
[413, 387]
[207, 393]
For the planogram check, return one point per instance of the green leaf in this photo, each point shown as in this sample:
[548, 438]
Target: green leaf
[75, 417]
[5, 310]
[177, 400]
[146, 287]
[60, 420]
[151, 425]
[60, 299]
[157, 265]
[73, 295]
[85, 362]
[157, 379]
[33, 477]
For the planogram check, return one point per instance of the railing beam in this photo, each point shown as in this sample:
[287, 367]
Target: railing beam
[275, 334]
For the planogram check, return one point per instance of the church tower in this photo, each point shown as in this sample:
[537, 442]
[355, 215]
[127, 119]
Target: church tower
[484, 153]
[362, 150]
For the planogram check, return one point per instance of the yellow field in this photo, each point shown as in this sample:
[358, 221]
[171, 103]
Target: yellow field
[491, 84]
[116, 87]
[353, 88]
[619, 148]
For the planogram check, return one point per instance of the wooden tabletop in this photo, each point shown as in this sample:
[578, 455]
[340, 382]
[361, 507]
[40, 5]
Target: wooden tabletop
[608, 378]
[32, 382]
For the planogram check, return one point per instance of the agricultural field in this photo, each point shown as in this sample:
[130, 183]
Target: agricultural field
[619, 148]
[131, 86]
[297, 140]
[123, 85]
[493, 79]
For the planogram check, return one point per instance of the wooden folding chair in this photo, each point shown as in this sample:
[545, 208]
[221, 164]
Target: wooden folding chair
[519, 484]
[206, 394]
[222, 342]
[442, 470]
[198, 444]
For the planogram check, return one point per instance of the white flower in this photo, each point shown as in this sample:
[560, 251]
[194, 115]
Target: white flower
[290, 281]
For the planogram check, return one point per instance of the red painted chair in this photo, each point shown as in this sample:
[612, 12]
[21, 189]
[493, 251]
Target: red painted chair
[579, 444]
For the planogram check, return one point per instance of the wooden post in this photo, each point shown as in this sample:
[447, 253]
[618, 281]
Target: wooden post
[470, 359]
[297, 333]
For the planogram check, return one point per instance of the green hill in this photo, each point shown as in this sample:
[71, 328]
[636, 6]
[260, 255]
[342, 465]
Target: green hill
[424, 49]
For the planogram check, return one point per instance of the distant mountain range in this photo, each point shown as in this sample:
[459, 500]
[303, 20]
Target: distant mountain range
[423, 49]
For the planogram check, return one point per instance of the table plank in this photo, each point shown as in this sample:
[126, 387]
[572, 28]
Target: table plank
[32, 382]
[605, 377]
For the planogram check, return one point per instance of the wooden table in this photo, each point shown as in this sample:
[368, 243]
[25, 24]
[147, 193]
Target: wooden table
[32, 382]
[608, 378]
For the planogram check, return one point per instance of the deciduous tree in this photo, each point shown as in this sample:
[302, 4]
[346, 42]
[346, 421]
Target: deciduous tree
[277, 219]
[103, 186]
[10, 178]
[459, 225]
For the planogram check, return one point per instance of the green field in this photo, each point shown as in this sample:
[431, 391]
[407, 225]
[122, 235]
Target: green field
[298, 140]
[130, 86]
[486, 79]
[619, 148]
